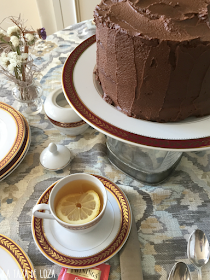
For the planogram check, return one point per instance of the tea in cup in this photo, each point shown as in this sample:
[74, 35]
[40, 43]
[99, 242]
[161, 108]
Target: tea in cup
[77, 202]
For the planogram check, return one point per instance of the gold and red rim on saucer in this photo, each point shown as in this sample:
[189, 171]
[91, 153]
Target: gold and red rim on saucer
[26, 141]
[85, 262]
[20, 135]
[19, 256]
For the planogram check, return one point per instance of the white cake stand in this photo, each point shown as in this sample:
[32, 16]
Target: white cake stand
[147, 151]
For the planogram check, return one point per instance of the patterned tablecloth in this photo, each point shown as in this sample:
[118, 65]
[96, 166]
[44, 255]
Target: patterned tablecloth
[165, 214]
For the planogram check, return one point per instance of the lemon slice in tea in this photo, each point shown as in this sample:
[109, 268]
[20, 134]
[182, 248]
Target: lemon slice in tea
[78, 208]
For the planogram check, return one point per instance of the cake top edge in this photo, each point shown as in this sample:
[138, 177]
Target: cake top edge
[173, 20]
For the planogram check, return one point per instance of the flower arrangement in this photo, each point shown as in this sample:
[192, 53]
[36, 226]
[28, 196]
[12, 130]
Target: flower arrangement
[15, 62]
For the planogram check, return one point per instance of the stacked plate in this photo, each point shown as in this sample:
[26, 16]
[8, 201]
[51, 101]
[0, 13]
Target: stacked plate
[15, 139]
[15, 263]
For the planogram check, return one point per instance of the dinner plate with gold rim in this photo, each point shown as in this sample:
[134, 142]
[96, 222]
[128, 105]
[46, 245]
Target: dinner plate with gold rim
[12, 133]
[13, 164]
[14, 262]
[82, 94]
[76, 250]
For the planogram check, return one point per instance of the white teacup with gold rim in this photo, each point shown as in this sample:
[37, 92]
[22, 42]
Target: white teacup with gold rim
[77, 202]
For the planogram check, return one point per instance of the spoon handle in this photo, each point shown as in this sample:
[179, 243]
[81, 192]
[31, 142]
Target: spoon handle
[199, 274]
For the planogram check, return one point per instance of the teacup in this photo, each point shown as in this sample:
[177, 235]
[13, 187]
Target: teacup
[67, 185]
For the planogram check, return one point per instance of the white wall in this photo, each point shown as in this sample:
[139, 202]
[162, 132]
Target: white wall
[54, 15]
[86, 8]
[72, 11]
[47, 15]
[38, 13]
[27, 8]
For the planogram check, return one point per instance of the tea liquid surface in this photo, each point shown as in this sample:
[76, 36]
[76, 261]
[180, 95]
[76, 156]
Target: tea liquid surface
[78, 187]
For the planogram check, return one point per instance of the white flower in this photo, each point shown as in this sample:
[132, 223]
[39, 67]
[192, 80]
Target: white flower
[12, 55]
[2, 33]
[15, 41]
[15, 62]
[13, 30]
[15, 59]
[3, 55]
[4, 60]
[24, 56]
[8, 63]
[11, 68]
[29, 37]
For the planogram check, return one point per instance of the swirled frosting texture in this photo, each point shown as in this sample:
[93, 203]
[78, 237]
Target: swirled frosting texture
[153, 57]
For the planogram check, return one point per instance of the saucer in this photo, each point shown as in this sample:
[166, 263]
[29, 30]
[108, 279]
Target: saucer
[14, 264]
[78, 251]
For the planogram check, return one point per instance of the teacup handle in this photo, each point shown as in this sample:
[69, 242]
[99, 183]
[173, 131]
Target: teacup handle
[42, 215]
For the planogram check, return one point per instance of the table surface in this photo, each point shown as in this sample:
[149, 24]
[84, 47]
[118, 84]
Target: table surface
[165, 214]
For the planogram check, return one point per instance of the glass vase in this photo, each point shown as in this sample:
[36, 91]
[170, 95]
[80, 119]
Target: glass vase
[29, 98]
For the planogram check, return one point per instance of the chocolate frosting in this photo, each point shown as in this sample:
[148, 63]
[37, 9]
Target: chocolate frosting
[153, 57]
[166, 19]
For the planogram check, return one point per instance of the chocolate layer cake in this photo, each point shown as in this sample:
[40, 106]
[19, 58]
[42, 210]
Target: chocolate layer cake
[153, 57]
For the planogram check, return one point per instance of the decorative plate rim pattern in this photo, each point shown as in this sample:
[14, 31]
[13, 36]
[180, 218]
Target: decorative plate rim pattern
[67, 125]
[19, 256]
[17, 163]
[20, 152]
[20, 133]
[109, 129]
[90, 261]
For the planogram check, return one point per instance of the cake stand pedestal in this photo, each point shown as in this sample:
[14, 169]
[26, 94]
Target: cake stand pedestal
[143, 164]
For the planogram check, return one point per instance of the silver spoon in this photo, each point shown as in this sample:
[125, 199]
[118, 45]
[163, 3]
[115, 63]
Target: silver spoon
[179, 271]
[198, 250]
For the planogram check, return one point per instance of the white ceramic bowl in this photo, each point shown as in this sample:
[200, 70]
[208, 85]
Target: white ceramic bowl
[61, 114]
